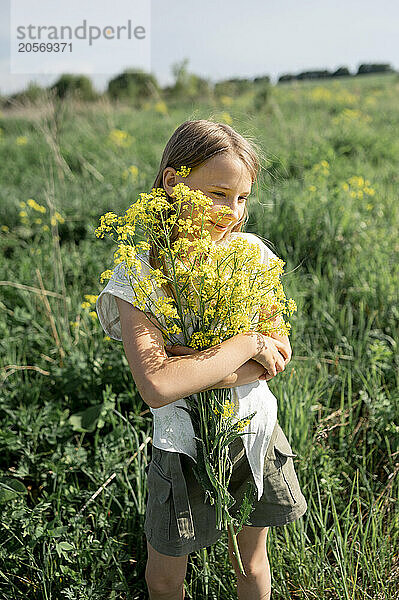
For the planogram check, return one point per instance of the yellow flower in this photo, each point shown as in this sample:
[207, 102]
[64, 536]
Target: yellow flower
[105, 275]
[218, 280]
[226, 118]
[358, 187]
[93, 315]
[228, 410]
[23, 213]
[38, 207]
[91, 298]
[120, 138]
[21, 140]
[131, 172]
[241, 425]
[56, 218]
[291, 306]
[161, 108]
[5, 228]
[106, 338]
[85, 305]
[349, 115]
[226, 100]
[320, 93]
[46, 228]
[183, 171]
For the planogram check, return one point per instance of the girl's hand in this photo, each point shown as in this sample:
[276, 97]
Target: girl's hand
[271, 354]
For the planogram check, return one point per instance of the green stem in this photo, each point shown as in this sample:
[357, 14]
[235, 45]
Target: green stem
[236, 549]
[204, 554]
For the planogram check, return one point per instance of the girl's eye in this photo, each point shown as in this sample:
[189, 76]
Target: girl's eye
[243, 198]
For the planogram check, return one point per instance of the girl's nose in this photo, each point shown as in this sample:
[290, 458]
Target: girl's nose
[236, 208]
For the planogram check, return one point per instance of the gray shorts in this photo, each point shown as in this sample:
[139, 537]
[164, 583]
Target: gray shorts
[178, 521]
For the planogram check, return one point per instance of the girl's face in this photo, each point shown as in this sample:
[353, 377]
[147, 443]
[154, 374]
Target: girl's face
[225, 179]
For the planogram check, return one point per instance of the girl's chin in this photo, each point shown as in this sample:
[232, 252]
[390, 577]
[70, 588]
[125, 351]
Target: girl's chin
[218, 236]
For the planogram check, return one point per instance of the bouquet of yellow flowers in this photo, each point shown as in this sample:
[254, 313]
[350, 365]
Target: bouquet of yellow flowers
[213, 292]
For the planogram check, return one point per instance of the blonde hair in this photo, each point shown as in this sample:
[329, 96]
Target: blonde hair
[194, 142]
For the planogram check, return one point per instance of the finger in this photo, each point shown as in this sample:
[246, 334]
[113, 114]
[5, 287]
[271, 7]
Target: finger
[287, 359]
[265, 376]
[269, 375]
[272, 371]
[280, 364]
[281, 347]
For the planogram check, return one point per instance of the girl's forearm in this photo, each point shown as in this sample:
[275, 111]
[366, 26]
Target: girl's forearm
[181, 376]
[249, 372]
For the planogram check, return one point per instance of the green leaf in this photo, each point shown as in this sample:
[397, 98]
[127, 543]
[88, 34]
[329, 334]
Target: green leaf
[11, 488]
[66, 546]
[86, 420]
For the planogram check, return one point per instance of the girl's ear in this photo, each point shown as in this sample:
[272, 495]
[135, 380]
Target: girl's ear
[169, 179]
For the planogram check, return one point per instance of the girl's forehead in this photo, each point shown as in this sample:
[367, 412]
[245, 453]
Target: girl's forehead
[224, 168]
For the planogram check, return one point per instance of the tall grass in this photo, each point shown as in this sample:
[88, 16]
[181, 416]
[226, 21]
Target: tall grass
[75, 435]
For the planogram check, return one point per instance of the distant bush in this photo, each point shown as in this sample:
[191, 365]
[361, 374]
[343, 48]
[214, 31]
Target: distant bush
[341, 72]
[286, 77]
[233, 87]
[314, 74]
[375, 68]
[78, 86]
[262, 96]
[187, 86]
[31, 95]
[135, 85]
[261, 80]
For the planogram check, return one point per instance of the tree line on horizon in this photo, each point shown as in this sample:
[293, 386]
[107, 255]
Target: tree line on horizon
[138, 86]
[363, 69]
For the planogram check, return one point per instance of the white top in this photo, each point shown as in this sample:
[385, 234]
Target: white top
[172, 427]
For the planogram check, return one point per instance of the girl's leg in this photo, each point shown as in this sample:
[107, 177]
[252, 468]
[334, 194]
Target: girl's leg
[252, 544]
[165, 575]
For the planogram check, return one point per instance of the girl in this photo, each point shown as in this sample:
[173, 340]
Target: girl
[224, 166]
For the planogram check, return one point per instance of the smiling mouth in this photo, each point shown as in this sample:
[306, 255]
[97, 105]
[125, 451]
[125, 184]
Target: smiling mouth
[220, 226]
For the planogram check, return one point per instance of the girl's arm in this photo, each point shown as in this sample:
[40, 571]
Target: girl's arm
[249, 372]
[160, 379]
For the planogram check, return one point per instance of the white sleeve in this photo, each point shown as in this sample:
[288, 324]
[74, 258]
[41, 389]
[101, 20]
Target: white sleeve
[266, 253]
[106, 307]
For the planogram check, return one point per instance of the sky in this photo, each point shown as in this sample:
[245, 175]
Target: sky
[224, 39]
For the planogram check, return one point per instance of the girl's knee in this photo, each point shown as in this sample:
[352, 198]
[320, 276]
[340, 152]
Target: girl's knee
[164, 574]
[164, 584]
[254, 570]
[252, 547]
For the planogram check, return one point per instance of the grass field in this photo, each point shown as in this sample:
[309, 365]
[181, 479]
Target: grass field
[75, 435]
